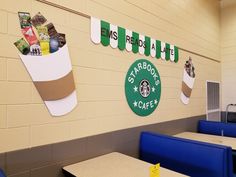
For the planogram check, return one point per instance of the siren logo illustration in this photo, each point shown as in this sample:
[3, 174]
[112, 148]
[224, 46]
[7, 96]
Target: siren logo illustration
[143, 87]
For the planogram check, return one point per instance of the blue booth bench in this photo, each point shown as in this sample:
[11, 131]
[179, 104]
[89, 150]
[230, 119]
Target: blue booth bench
[2, 173]
[217, 128]
[189, 157]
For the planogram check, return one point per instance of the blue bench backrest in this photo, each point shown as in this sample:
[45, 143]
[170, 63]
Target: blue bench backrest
[215, 128]
[2, 173]
[193, 158]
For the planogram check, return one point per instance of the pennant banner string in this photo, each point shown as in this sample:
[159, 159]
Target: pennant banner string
[120, 46]
[118, 37]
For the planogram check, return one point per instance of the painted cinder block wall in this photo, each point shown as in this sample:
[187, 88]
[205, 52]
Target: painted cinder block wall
[228, 54]
[100, 71]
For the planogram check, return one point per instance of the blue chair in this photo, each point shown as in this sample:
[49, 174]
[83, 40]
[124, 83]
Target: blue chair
[2, 173]
[217, 128]
[193, 158]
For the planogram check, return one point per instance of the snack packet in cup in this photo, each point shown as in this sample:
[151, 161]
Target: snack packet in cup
[45, 47]
[29, 35]
[52, 30]
[43, 33]
[54, 45]
[61, 39]
[38, 19]
[35, 50]
[24, 18]
[22, 46]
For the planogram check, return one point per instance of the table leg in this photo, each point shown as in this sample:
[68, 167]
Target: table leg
[234, 160]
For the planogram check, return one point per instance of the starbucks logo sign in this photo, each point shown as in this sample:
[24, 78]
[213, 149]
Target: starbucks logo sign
[143, 87]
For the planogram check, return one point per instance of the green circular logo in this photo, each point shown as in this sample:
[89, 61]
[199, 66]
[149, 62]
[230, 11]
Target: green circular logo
[143, 87]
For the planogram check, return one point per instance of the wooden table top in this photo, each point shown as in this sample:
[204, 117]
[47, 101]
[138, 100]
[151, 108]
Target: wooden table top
[221, 140]
[115, 165]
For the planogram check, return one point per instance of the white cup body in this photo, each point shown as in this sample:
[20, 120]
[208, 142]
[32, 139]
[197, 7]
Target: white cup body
[189, 81]
[48, 68]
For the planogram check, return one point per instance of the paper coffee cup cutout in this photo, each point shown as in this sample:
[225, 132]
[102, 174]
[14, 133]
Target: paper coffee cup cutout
[53, 78]
[188, 81]
[46, 58]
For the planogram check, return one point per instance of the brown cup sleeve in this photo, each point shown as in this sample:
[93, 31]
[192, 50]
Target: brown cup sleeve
[56, 89]
[186, 90]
